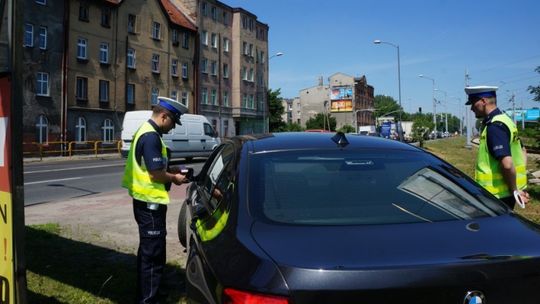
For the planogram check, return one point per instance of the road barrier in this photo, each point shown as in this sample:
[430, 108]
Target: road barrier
[70, 148]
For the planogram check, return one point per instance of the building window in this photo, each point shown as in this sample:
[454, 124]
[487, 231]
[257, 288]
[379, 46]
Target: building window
[185, 70]
[213, 68]
[244, 101]
[42, 129]
[104, 52]
[103, 91]
[213, 96]
[226, 98]
[175, 37]
[42, 2]
[245, 49]
[81, 48]
[184, 100]
[225, 70]
[28, 35]
[244, 22]
[43, 37]
[80, 129]
[226, 42]
[42, 84]
[108, 130]
[204, 9]
[204, 38]
[213, 12]
[130, 94]
[82, 88]
[250, 75]
[174, 67]
[155, 63]
[154, 97]
[204, 63]
[225, 18]
[244, 73]
[185, 40]
[204, 96]
[83, 12]
[174, 94]
[131, 58]
[251, 50]
[251, 105]
[156, 30]
[214, 40]
[132, 21]
[225, 128]
[106, 17]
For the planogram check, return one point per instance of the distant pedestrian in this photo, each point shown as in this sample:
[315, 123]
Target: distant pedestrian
[147, 179]
[501, 162]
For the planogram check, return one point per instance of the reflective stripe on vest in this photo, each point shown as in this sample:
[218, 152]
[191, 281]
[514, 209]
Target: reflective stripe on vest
[488, 172]
[137, 179]
[209, 233]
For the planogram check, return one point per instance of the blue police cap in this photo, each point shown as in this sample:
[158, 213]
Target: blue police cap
[173, 106]
[479, 92]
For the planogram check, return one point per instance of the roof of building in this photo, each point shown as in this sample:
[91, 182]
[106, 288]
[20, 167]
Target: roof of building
[176, 16]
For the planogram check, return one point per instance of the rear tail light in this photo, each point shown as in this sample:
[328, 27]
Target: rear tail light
[233, 296]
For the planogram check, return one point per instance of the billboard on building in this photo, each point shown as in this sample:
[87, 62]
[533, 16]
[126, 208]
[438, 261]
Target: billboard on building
[341, 106]
[341, 99]
[341, 93]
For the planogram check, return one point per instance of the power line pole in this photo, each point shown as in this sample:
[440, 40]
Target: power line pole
[467, 119]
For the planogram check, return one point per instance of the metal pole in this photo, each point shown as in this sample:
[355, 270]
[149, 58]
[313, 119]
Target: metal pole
[400, 129]
[467, 119]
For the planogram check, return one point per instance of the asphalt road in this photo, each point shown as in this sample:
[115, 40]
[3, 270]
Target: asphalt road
[55, 180]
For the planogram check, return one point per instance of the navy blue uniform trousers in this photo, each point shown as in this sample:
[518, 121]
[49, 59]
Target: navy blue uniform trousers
[151, 256]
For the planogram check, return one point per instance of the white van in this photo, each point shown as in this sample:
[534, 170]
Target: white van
[194, 138]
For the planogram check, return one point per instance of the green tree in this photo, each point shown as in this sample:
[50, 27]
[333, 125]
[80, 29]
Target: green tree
[422, 124]
[293, 127]
[385, 104]
[535, 90]
[319, 121]
[275, 110]
[346, 129]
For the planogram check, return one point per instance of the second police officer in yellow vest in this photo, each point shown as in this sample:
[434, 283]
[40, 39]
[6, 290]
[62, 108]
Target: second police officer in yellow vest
[147, 177]
[501, 162]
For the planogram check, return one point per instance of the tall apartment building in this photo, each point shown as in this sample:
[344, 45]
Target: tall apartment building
[102, 58]
[348, 99]
[233, 67]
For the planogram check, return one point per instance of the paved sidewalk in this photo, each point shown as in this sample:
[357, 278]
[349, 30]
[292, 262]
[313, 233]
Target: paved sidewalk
[106, 220]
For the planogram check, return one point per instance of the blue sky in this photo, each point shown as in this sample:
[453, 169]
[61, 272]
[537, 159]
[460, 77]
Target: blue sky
[497, 42]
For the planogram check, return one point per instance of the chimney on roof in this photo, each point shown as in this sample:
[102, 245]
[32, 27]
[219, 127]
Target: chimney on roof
[320, 81]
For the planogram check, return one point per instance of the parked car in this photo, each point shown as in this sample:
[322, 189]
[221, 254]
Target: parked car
[194, 138]
[331, 218]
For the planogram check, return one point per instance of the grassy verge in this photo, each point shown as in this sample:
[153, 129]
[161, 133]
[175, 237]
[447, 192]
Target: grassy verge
[453, 151]
[63, 270]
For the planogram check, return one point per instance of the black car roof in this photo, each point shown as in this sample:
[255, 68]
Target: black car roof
[310, 140]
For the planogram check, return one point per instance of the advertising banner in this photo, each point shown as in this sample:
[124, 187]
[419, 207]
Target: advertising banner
[340, 93]
[6, 213]
[341, 106]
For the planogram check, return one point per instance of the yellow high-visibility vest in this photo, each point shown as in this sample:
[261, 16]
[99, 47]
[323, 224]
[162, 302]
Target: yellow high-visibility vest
[137, 179]
[488, 171]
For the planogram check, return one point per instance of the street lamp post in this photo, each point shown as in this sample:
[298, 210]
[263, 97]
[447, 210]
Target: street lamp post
[446, 109]
[400, 129]
[267, 111]
[434, 102]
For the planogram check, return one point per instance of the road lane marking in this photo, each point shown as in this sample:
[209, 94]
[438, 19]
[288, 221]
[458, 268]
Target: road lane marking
[76, 168]
[52, 180]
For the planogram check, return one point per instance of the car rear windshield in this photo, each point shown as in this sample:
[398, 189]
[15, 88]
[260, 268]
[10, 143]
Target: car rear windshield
[346, 187]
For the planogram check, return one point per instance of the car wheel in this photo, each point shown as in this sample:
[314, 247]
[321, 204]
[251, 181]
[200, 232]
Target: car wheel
[182, 235]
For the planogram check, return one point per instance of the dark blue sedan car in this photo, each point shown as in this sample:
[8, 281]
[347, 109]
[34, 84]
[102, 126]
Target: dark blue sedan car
[329, 218]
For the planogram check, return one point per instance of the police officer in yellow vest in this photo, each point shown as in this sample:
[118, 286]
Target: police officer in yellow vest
[500, 166]
[147, 178]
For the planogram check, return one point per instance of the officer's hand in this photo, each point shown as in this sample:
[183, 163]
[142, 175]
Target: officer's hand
[524, 196]
[180, 179]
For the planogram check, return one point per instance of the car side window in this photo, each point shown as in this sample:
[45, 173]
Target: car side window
[218, 177]
[208, 130]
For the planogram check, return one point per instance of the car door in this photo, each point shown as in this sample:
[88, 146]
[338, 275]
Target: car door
[210, 211]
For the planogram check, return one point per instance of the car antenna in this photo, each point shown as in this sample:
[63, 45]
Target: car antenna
[340, 139]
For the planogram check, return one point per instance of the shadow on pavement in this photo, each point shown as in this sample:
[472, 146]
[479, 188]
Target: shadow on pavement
[101, 272]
